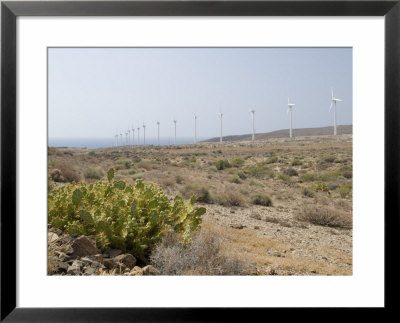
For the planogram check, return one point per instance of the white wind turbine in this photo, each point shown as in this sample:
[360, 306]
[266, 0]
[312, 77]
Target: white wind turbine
[133, 135]
[138, 135]
[175, 132]
[252, 119]
[129, 137]
[290, 106]
[333, 102]
[126, 138]
[144, 134]
[120, 134]
[195, 128]
[158, 133]
[220, 117]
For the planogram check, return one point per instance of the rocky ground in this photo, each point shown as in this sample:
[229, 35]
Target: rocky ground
[283, 238]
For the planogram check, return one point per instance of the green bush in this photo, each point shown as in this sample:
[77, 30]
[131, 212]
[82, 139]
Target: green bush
[124, 163]
[93, 173]
[237, 162]
[201, 193]
[128, 217]
[272, 160]
[296, 162]
[261, 199]
[222, 164]
[345, 190]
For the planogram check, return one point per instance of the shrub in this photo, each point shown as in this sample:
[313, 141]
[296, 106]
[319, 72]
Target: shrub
[296, 162]
[308, 192]
[56, 175]
[272, 160]
[179, 179]
[261, 199]
[235, 179]
[68, 172]
[122, 216]
[259, 170]
[348, 174]
[201, 193]
[242, 175]
[222, 164]
[237, 162]
[321, 187]
[93, 173]
[202, 257]
[345, 190]
[230, 198]
[124, 163]
[145, 165]
[290, 172]
[325, 217]
[283, 177]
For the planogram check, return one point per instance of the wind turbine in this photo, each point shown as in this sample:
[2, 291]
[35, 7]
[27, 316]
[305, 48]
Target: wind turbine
[133, 135]
[144, 134]
[126, 138]
[333, 102]
[129, 137]
[220, 116]
[138, 135]
[290, 106]
[158, 133]
[120, 133]
[252, 119]
[175, 132]
[195, 129]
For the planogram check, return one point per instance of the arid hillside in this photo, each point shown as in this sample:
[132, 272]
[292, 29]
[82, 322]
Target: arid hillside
[275, 206]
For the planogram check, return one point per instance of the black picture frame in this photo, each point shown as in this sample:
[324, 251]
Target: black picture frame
[10, 10]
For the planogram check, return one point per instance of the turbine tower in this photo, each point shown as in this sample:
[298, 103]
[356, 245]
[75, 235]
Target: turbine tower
[333, 102]
[120, 134]
[126, 138]
[220, 116]
[133, 135]
[129, 137]
[138, 135]
[290, 106]
[175, 132]
[144, 134]
[158, 133]
[195, 129]
[252, 119]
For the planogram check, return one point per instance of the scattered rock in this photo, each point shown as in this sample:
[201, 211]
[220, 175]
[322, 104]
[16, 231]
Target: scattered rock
[82, 246]
[150, 270]
[111, 253]
[75, 268]
[109, 263]
[52, 236]
[136, 271]
[127, 259]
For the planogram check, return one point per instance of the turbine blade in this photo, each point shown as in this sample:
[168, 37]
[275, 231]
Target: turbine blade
[330, 107]
[332, 91]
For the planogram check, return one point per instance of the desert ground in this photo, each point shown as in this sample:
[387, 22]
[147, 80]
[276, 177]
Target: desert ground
[275, 206]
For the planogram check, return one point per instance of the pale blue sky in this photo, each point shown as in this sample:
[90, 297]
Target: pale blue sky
[94, 92]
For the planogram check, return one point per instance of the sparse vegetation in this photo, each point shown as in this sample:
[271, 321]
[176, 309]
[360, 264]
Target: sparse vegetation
[201, 193]
[93, 173]
[222, 164]
[308, 192]
[325, 217]
[261, 199]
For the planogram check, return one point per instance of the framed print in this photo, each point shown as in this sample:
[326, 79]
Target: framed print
[167, 160]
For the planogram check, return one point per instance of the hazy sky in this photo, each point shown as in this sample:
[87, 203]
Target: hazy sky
[95, 92]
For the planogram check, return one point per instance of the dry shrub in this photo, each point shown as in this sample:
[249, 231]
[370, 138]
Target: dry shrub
[68, 173]
[230, 198]
[261, 199]
[291, 172]
[325, 217]
[201, 193]
[93, 173]
[166, 182]
[145, 165]
[202, 257]
[179, 179]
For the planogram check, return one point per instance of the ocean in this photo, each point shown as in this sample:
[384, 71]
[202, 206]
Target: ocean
[109, 142]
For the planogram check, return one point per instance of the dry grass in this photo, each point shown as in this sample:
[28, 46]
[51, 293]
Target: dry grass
[325, 217]
[202, 257]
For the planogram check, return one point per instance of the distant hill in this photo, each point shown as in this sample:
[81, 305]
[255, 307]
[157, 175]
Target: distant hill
[323, 131]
